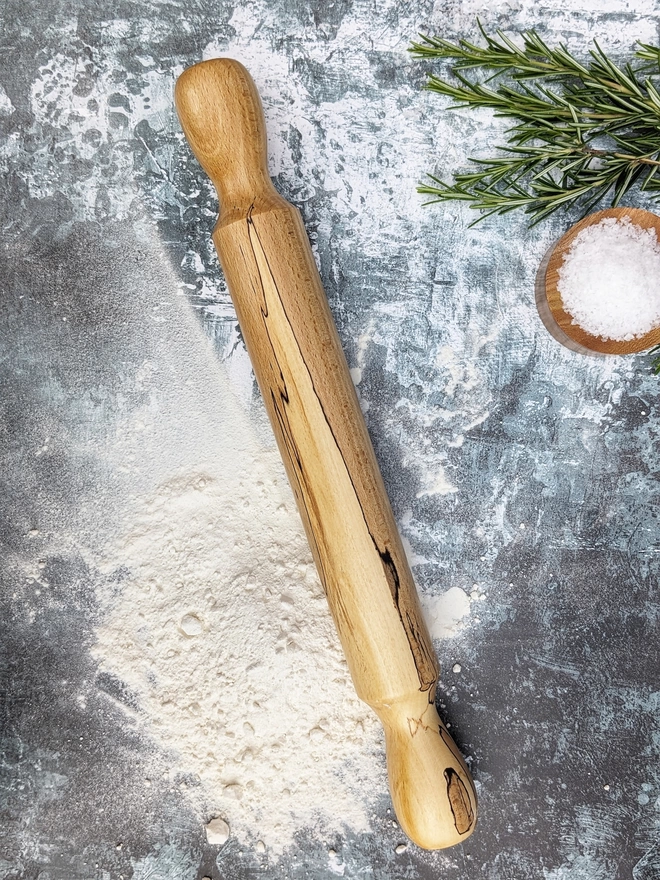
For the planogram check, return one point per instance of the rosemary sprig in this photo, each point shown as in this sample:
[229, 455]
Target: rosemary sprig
[655, 363]
[582, 130]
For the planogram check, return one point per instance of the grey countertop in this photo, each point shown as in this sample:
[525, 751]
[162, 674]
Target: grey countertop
[512, 463]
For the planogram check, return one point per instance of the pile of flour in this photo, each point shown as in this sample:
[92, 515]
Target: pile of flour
[223, 633]
[214, 617]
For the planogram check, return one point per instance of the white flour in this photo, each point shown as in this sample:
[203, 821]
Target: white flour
[222, 629]
[444, 613]
[224, 633]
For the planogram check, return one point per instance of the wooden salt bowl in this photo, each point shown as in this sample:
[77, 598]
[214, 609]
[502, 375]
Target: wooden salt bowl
[548, 299]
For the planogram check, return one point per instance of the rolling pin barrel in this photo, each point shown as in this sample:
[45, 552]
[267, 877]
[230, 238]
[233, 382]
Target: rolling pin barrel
[312, 405]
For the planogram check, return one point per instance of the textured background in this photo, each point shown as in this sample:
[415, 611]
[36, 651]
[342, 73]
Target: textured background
[512, 464]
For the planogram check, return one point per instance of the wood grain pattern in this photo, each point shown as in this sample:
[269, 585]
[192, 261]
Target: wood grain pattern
[313, 408]
[563, 319]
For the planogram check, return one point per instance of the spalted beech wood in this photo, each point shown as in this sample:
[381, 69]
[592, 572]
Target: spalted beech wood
[316, 417]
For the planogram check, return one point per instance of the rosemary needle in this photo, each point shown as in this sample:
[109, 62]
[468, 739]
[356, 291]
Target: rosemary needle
[581, 130]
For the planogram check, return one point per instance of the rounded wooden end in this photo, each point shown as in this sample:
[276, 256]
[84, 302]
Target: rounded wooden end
[432, 791]
[549, 302]
[221, 115]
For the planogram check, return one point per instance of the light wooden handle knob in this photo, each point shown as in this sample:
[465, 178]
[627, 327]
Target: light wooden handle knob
[307, 389]
[220, 111]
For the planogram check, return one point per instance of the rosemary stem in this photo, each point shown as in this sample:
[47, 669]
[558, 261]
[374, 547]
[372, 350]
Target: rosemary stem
[560, 106]
[639, 160]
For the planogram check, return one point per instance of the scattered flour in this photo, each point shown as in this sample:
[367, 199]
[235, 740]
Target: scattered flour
[217, 832]
[223, 632]
[445, 613]
[221, 628]
[609, 279]
[214, 616]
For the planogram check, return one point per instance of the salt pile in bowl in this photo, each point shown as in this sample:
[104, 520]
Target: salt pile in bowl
[609, 281]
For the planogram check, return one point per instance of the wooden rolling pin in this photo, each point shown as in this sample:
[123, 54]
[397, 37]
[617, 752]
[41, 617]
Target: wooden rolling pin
[302, 373]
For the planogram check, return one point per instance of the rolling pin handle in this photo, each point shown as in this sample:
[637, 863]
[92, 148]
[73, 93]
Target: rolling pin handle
[222, 118]
[432, 792]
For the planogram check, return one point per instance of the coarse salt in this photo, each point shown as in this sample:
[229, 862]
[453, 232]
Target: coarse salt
[609, 281]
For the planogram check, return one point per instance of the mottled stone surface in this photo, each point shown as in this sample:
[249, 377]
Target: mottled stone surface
[512, 464]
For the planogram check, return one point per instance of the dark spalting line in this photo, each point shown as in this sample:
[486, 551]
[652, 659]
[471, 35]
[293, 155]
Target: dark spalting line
[389, 566]
[427, 659]
[457, 793]
[301, 489]
[300, 484]
[391, 572]
[459, 801]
